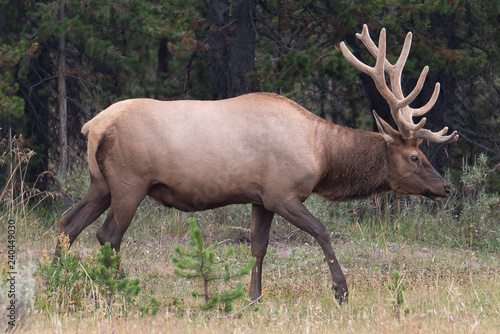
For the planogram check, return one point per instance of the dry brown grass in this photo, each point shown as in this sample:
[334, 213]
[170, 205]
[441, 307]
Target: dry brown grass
[449, 290]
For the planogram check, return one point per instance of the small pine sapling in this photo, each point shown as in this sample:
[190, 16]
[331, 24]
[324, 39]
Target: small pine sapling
[68, 280]
[106, 275]
[64, 287]
[153, 309]
[200, 262]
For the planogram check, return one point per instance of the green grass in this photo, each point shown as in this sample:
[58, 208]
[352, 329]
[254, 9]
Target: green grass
[446, 256]
[449, 287]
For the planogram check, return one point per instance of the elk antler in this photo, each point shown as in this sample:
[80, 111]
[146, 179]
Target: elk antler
[401, 111]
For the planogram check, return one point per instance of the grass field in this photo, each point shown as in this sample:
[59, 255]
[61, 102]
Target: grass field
[446, 285]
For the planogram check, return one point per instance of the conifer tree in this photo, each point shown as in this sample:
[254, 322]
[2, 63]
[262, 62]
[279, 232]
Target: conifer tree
[106, 274]
[200, 262]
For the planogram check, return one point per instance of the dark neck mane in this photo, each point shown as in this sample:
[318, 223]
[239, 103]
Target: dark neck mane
[354, 163]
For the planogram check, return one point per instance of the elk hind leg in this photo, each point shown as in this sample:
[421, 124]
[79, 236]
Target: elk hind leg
[93, 204]
[260, 227]
[119, 217]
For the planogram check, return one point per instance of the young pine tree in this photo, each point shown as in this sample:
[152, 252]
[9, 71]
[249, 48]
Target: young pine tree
[200, 262]
[106, 275]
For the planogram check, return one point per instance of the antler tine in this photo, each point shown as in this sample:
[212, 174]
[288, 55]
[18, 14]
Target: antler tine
[400, 112]
[376, 72]
[389, 68]
[401, 117]
[438, 136]
[428, 106]
[399, 104]
[367, 41]
[397, 69]
[351, 59]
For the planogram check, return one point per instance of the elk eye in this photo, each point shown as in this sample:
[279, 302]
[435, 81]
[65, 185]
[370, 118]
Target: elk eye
[414, 159]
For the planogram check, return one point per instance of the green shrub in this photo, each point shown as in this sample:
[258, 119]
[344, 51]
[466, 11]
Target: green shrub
[203, 263]
[479, 210]
[69, 282]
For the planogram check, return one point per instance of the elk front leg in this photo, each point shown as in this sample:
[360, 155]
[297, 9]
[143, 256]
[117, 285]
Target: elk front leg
[297, 214]
[260, 227]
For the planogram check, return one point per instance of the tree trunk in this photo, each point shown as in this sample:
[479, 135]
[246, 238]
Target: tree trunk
[242, 47]
[231, 41]
[63, 112]
[218, 40]
[164, 58]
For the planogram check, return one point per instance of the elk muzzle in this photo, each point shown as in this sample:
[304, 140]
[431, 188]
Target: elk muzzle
[437, 196]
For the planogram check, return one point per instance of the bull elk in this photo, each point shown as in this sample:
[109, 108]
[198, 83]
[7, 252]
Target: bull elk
[257, 148]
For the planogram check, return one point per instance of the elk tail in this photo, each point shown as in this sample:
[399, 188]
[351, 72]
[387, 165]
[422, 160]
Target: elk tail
[86, 128]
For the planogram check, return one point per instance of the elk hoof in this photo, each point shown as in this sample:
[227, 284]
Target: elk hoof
[341, 296]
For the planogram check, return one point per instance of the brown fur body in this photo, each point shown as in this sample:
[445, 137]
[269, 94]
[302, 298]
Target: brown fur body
[258, 148]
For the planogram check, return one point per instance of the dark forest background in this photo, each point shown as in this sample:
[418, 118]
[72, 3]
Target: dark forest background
[62, 62]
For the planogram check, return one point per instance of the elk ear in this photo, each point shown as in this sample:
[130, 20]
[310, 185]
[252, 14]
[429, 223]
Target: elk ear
[385, 129]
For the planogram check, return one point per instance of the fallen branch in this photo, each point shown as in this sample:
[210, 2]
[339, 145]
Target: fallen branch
[238, 312]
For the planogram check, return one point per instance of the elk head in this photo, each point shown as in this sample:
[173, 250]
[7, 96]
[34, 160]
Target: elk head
[411, 173]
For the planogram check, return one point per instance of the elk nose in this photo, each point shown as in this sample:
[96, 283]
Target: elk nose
[447, 191]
